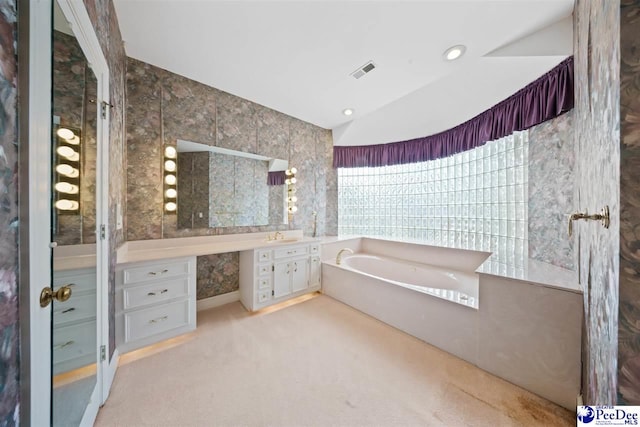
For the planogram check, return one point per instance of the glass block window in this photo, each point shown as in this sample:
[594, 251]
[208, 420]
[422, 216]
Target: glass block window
[472, 200]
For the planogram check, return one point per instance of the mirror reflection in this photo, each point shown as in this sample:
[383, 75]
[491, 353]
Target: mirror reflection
[218, 187]
[73, 202]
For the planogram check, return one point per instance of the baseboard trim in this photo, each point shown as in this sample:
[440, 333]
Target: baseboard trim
[110, 375]
[218, 300]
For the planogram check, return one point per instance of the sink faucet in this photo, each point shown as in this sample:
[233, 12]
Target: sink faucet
[339, 256]
[277, 233]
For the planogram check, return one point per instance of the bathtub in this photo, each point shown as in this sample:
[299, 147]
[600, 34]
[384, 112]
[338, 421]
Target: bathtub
[522, 332]
[455, 286]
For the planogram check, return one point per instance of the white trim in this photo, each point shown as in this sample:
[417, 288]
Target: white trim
[110, 373]
[39, 183]
[218, 300]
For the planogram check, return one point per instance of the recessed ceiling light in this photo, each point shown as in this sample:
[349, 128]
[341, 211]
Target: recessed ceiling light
[347, 111]
[454, 52]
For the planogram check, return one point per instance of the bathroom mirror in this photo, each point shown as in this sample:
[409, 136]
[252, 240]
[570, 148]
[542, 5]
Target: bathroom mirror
[218, 187]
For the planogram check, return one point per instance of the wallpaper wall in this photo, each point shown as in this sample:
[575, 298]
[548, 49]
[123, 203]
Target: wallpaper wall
[597, 174]
[9, 332]
[629, 298]
[74, 86]
[105, 22]
[163, 107]
[551, 181]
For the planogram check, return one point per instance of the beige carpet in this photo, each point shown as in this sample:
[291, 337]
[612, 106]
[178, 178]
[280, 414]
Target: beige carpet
[316, 363]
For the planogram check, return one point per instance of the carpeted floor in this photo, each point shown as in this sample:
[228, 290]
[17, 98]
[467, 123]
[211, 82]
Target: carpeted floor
[316, 363]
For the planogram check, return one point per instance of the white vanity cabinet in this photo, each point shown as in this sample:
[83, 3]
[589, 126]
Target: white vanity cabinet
[271, 275]
[74, 321]
[155, 300]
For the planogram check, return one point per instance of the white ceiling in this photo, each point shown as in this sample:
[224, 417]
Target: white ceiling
[296, 56]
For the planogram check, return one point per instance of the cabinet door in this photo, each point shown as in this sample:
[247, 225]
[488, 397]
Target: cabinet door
[281, 279]
[314, 271]
[299, 274]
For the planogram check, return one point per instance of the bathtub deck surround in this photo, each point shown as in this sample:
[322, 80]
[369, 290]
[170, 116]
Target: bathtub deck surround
[523, 330]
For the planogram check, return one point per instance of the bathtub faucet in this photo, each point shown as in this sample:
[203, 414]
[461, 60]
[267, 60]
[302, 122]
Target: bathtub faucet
[339, 256]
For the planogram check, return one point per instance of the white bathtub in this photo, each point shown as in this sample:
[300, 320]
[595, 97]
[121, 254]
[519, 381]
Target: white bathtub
[445, 283]
[522, 332]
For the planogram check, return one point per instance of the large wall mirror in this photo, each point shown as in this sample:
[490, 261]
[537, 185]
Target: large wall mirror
[218, 187]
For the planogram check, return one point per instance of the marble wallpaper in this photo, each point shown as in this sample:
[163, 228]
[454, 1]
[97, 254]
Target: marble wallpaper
[597, 173]
[163, 106]
[9, 323]
[217, 274]
[629, 297]
[74, 85]
[105, 22]
[551, 181]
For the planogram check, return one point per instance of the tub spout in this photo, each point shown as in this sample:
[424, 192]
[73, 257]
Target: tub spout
[339, 256]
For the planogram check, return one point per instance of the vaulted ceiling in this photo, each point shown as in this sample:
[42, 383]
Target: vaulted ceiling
[297, 56]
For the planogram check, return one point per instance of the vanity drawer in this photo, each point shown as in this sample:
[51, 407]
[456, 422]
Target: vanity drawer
[155, 271]
[151, 321]
[151, 293]
[264, 296]
[78, 280]
[291, 251]
[75, 308]
[264, 269]
[263, 282]
[263, 255]
[71, 342]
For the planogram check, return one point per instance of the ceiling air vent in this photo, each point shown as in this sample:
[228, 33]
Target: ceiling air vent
[366, 68]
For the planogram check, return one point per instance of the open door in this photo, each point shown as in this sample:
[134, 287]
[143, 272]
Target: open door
[68, 261]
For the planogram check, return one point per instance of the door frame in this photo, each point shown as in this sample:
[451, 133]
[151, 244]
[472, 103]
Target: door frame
[36, 257]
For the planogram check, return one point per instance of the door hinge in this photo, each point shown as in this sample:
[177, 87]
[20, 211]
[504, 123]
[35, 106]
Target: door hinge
[103, 353]
[273, 293]
[103, 232]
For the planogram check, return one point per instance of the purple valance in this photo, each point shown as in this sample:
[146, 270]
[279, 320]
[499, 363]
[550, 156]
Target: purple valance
[276, 178]
[547, 97]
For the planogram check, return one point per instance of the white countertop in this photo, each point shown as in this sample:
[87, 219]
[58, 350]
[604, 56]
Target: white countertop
[149, 250]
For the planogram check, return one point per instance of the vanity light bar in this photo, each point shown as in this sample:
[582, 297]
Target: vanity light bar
[290, 181]
[67, 170]
[170, 166]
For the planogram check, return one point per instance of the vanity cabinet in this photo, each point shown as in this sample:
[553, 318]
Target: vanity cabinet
[272, 275]
[74, 321]
[155, 300]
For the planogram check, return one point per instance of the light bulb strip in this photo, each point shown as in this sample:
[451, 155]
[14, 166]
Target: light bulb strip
[170, 179]
[290, 181]
[67, 157]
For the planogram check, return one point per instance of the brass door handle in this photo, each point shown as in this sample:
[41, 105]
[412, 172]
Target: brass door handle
[603, 217]
[62, 294]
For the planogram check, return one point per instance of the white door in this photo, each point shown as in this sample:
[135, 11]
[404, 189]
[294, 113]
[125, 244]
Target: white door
[41, 192]
[281, 279]
[299, 274]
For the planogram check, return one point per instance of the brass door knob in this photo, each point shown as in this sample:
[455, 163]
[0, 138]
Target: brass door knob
[47, 295]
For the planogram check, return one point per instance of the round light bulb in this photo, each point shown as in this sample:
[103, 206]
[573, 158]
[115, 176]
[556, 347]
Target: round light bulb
[74, 141]
[294, 171]
[287, 181]
[66, 187]
[293, 190]
[67, 170]
[170, 166]
[347, 111]
[293, 199]
[67, 205]
[171, 206]
[170, 152]
[171, 193]
[288, 172]
[293, 180]
[454, 52]
[293, 209]
[65, 133]
[67, 152]
[170, 179]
